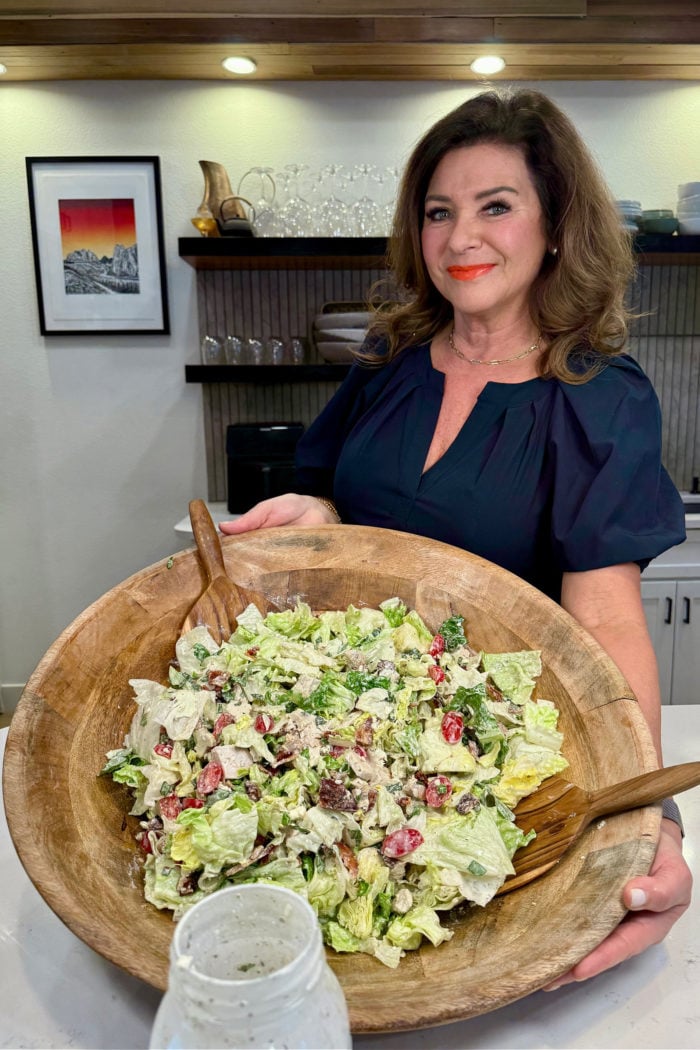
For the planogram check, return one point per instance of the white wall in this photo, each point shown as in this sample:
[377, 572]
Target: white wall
[101, 443]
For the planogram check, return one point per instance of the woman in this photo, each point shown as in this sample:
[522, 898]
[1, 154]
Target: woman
[494, 407]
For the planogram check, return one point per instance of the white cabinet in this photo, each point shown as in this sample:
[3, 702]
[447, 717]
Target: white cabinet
[672, 609]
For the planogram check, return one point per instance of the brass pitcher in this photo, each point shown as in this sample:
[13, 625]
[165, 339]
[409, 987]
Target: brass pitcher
[217, 189]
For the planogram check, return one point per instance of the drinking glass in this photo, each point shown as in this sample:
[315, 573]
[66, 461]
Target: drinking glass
[368, 215]
[295, 213]
[233, 350]
[334, 218]
[273, 353]
[266, 221]
[212, 351]
[254, 351]
[295, 350]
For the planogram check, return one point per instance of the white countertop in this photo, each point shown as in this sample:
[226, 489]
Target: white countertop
[57, 992]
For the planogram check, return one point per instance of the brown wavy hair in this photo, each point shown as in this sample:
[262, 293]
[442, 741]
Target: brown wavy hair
[577, 300]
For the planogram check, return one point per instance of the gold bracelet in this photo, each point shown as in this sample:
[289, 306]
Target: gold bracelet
[330, 505]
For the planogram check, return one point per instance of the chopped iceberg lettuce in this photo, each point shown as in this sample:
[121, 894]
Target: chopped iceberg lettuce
[348, 755]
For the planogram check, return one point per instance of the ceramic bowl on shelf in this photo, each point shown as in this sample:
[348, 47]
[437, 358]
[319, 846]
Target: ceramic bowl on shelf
[343, 335]
[662, 224]
[688, 189]
[337, 352]
[75, 837]
[357, 319]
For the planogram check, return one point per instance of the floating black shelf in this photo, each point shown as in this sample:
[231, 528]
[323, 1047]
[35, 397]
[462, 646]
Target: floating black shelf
[255, 253]
[265, 374]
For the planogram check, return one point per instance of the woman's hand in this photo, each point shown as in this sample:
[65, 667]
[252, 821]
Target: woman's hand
[289, 509]
[656, 902]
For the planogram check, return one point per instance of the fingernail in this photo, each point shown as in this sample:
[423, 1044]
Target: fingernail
[638, 898]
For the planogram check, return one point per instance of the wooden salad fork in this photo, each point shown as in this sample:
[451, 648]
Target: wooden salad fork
[560, 812]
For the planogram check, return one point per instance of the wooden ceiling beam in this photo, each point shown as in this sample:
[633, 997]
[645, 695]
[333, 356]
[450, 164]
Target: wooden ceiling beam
[292, 8]
[355, 61]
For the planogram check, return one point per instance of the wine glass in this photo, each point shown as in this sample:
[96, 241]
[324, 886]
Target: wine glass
[266, 221]
[334, 218]
[367, 214]
[295, 213]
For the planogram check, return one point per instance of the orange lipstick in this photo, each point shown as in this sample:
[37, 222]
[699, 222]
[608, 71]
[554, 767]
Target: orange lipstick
[469, 273]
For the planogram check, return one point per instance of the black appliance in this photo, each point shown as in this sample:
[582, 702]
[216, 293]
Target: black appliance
[260, 461]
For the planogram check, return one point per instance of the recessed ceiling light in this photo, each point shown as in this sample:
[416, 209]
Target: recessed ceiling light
[240, 65]
[487, 64]
[3, 69]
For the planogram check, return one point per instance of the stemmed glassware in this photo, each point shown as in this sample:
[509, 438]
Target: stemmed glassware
[295, 212]
[368, 215]
[334, 218]
[266, 222]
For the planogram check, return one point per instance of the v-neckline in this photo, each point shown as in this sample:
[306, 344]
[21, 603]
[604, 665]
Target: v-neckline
[492, 393]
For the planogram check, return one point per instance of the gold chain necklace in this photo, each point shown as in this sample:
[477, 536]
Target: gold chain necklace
[500, 361]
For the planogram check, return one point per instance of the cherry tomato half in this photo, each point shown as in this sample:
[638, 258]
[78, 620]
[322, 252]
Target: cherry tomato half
[437, 791]
[401, 842]
[452, 727]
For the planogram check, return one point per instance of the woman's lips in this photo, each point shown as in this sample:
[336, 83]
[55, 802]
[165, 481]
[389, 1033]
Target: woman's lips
[469, 273]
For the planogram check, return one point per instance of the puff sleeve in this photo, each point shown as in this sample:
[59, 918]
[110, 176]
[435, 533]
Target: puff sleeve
[612, 499]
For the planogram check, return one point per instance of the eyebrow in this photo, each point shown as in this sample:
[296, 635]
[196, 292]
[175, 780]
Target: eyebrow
[478, 196]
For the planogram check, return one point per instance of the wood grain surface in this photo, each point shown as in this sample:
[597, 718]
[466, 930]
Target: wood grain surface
[76, 843]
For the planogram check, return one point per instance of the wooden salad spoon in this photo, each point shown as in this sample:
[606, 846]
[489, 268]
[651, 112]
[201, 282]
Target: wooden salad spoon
[222, 600]
[560, 812]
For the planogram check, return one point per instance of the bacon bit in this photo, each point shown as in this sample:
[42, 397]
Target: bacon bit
[365, 733]
[372, 796]
[282, 757]
[336, 751]
[436, 673]
[348, 858]
[259, 853]
[263, 723]
[333, 795]
[165, 750]
[186, 885]
[253, 651]
[252, 790]
[224, 719]
[360, 751]
[217, 679]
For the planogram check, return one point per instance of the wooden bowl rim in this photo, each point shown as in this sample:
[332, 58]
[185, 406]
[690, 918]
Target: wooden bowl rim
[269, 554]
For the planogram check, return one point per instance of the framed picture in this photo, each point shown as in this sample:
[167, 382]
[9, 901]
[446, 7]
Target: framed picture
[97, 231]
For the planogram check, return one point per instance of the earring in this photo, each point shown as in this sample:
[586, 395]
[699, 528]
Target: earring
[554, 251]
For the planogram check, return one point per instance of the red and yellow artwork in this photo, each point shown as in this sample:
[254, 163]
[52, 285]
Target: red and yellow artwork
[97, 225]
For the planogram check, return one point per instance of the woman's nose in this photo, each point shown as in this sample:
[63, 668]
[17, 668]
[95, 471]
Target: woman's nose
[465, 233]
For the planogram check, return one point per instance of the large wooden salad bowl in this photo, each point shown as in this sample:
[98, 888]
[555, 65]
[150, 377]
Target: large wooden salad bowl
[76, 842]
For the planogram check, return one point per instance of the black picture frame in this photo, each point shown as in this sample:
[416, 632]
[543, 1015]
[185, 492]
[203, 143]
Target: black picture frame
[97, 236]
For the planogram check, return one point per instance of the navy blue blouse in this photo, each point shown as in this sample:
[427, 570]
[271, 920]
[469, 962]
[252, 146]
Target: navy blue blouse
[545, 477]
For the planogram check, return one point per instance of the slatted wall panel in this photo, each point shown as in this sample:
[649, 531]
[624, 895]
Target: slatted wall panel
[265, 303]
[666, 342]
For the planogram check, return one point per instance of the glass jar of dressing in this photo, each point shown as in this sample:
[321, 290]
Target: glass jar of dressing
[248, 969]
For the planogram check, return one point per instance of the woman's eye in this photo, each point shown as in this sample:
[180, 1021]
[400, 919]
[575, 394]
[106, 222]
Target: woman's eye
[497, 208]
[436, 214]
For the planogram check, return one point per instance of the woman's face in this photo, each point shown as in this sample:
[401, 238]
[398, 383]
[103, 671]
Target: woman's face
[483, 232]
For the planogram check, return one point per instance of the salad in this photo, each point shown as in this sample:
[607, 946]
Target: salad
[352, 756]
